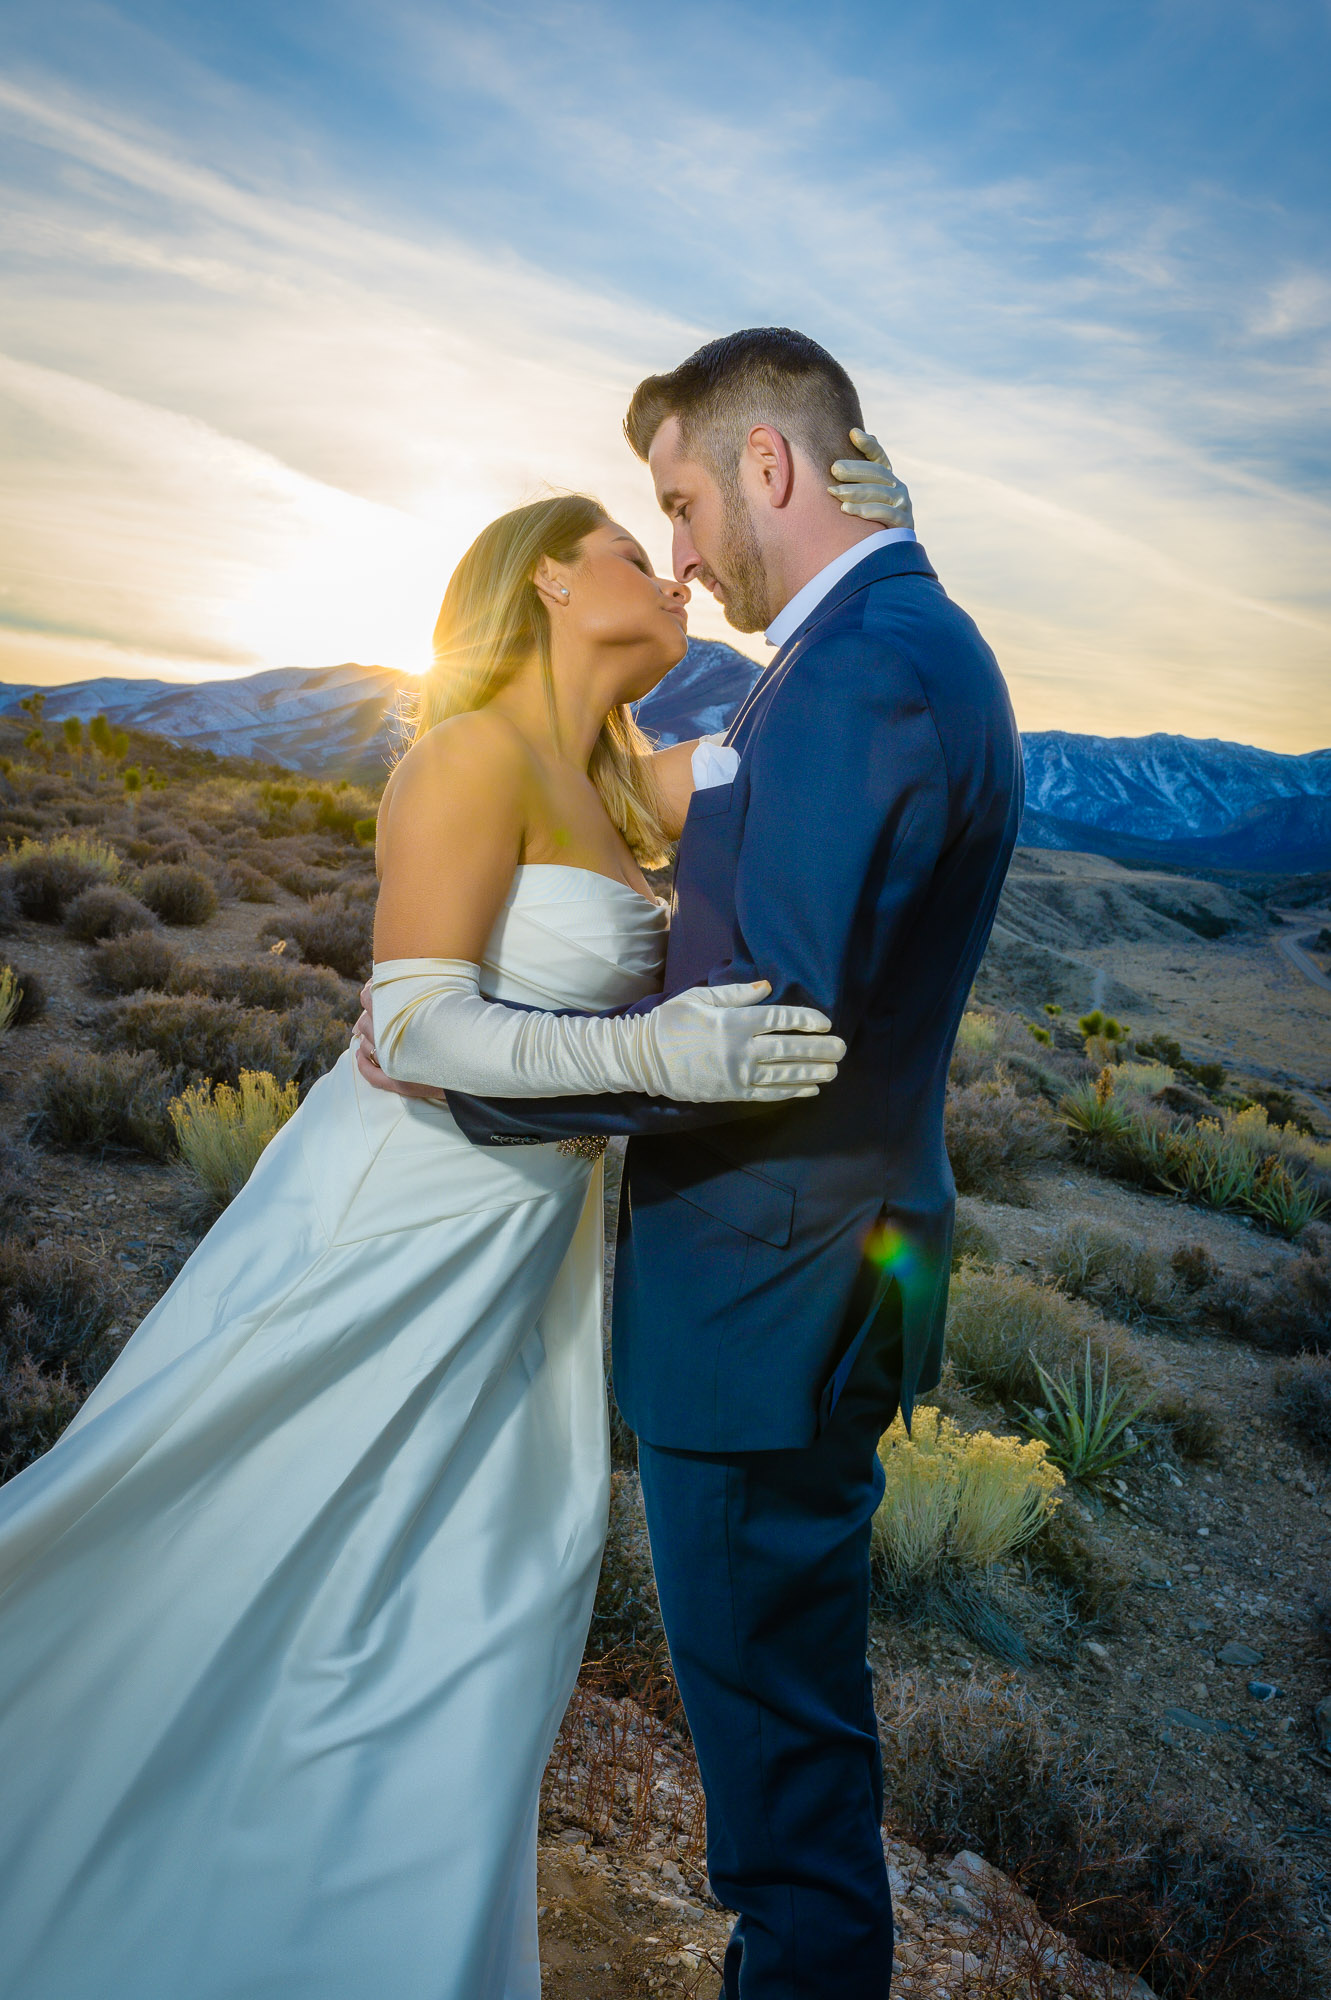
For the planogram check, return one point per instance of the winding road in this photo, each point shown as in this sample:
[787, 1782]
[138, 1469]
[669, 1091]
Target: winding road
[1295, 948]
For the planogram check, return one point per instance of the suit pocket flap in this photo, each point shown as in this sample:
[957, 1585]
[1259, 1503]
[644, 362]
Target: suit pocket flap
[738, 1196]
[711, 799]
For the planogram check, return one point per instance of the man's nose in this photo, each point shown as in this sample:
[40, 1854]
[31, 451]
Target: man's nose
[684, 558]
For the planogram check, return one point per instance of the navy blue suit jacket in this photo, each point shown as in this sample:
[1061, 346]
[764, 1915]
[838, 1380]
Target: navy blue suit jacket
[855, 862]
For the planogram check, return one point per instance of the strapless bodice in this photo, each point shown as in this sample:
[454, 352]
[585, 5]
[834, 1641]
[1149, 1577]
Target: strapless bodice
[569, 938]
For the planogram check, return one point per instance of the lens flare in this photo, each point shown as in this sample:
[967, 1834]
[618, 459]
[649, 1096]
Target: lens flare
[890, 1249]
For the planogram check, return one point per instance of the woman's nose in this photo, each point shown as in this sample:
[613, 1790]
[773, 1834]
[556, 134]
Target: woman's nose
[679, 591]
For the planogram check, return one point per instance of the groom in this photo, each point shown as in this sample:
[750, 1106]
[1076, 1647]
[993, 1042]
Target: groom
[782, 1277]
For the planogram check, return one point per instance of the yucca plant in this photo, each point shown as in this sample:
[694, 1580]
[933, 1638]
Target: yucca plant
[1085, 1427]
[1091, 1112]
[221, 1132]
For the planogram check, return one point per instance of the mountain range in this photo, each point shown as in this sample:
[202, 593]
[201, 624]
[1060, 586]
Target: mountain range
[1172, 801]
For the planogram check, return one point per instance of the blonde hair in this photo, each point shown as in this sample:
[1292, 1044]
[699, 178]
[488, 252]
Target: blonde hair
[493, 620]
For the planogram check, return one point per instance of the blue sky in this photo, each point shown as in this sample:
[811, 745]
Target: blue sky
[294, 298]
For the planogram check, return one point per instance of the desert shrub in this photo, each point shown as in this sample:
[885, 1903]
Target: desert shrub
[11, 994]
[955, 1499]
[995, 1137]
[970, 1238]
[32, 997]
[58, 1307]
[114, 1099]
[177, 893]
[46, 876]
[1087, 1423]
[270, 983]
[34, 1408]
[317, 1035]
[10, 913]
[1288, 1314]
[221, 1132]
[332, 932]
[626, 1620]
[140, 961]
[250, 884]
[1168, 1890]
[1195, 1424]
[1194, 1266]
[1119, 1273]
[1303, 1396]
[106, 912]
[1000, 1323]
[1239, 1162]
[202, 1038]
[307, 882]
[1067, 1552]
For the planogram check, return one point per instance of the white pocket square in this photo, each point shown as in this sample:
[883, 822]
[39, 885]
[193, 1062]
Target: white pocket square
[713, 764]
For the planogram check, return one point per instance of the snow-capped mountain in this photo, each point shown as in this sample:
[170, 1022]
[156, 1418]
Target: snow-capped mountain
[1172, 800]
[318, 719]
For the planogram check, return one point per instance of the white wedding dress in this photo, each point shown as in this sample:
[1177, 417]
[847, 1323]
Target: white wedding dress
[290, 1614]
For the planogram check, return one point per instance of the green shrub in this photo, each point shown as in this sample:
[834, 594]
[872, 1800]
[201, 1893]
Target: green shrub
[970, 1238]
[995, 1137]
[140, 961]
[91, 1101]
[1086, 1428]
[178, 894]
[1195, 1425]
[46, 876]
[331, 932]
[202, 1039]
[307, 882]
[221, 1132]
[106, 912]
[33, 998]
[317, 1035]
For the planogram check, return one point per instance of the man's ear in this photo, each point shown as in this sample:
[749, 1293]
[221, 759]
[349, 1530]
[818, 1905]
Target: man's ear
[771, 466]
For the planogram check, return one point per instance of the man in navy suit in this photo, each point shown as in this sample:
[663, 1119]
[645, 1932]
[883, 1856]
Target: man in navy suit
[782, 1276]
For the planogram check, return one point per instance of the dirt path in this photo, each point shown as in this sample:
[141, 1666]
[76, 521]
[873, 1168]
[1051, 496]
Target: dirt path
[1295, 949]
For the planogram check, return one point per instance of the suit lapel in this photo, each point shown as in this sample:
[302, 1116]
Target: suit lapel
[897, 559]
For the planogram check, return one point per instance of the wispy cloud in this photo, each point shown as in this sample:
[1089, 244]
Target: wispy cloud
[257, 414]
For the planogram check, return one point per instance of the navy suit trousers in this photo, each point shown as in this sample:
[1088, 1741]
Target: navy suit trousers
[762, 1564]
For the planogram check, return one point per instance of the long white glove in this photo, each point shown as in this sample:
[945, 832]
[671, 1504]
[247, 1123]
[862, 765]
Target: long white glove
[713, 1044]
[867, 486]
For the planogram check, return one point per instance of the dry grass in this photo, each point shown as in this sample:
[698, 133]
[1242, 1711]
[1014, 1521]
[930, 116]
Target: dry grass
[221, 1132]
[1119, 1273]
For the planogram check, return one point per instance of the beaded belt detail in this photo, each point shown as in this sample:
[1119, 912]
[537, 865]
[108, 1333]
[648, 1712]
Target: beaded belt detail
[587, 1146]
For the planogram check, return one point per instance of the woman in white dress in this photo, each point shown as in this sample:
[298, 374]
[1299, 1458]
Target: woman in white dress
[290, 1614]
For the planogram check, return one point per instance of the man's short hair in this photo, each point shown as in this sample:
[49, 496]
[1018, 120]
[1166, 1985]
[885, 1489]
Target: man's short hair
[765, 375]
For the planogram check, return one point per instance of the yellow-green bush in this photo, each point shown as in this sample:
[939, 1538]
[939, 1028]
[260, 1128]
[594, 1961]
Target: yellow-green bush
[11, 997]
[1001, 1322]
[221, 1132]
[956, 1500]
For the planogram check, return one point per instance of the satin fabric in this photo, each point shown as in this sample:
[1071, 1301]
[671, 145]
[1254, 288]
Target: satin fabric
[290, 1614]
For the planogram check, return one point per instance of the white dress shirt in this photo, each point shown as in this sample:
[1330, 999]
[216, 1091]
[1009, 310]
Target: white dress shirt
[793, 615]
[714, 762]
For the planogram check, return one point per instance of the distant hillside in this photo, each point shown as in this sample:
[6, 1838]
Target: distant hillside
[1173, 802]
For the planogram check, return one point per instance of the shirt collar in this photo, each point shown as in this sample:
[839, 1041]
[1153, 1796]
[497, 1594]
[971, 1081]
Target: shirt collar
[806, 601]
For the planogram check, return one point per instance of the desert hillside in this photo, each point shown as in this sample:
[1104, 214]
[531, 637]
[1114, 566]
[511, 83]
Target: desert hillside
[1104, 1655]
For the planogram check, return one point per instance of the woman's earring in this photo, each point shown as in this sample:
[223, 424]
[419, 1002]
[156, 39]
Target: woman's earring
[563, 589]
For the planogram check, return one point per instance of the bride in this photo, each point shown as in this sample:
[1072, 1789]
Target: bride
[290, 1614]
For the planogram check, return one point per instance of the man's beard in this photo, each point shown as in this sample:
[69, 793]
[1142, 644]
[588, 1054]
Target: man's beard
[747, 601]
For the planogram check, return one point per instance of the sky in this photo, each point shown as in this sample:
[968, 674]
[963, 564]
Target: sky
[294, 299]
